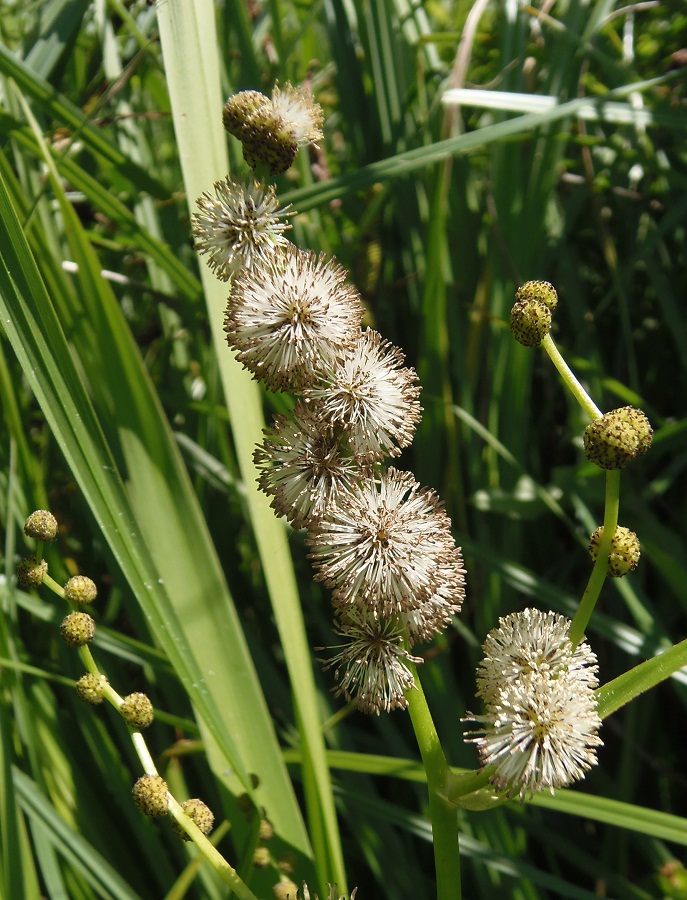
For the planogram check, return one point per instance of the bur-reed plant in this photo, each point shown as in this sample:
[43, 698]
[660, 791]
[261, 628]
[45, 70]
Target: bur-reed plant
[436, 236]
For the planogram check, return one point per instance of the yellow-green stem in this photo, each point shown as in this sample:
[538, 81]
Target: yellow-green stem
[600, 570]
[570, 380]
[443, 815]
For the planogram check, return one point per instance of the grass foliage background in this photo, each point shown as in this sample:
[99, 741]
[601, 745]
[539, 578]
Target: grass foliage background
[115, 416]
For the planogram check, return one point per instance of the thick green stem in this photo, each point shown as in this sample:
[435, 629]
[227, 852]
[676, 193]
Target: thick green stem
[443, 816]
[570, 380]
[600, 570]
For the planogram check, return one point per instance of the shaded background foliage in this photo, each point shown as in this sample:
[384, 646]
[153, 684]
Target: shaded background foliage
[597, 208]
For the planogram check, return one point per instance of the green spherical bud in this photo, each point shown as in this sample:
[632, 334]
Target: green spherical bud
[530, 322]
[266, 832]
[240, 109]
[77, 629]
[624, 555]
[287, 863]
[276, 150]
[30, 574]
[90, 688]
[542, 291]
[285, 890]
[200, 813]
[617, 437]
[41, 525]
[137, 710]
[150, 795]
[80, 590]
[261, 857]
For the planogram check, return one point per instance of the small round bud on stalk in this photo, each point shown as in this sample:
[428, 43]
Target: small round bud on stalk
[41, 525]
[285, 890]
[137, 710]
[530, 322]
[266, 832]
[199, 813]
[77, 629]
[81, 590]
[30, 573]
[150, 795]
[239, 110]
[617, 437]
[287, 863]
[261, 858]
[541, 291]
[624, 555]
[90, 688]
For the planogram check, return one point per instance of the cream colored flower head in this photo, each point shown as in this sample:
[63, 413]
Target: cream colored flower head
[238, 226]
[291, 317]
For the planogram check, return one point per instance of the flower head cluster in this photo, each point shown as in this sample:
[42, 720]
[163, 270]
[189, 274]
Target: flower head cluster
[381, 542]
[530, 317]
[540, 727]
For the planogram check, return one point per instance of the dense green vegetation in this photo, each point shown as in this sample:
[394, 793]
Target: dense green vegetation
[125, 414]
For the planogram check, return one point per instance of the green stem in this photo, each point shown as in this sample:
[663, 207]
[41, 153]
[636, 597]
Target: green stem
[570, 380]
[443, 816]
[600, 570]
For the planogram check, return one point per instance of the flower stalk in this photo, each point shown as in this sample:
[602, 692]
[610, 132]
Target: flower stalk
[443, 814]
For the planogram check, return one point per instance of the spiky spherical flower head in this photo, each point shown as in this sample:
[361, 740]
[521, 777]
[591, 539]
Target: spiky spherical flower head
[289, 319]
[539, 732]
[240, 109]
[530, 322]
[41, 525]
[541, 291]
[532, 641]
[540, 727]
[238, 226]
[150, 795]
[372, 665]
[30, 573]
[90, 688]
[616, 438]
[137, 710]
[372, 397]
[200, 813]
[386, 547]
[625, 551]
[80, 590]
[303, 465]
[77, 629]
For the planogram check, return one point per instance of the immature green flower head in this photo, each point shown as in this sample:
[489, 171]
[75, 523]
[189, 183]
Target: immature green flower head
[150, 795]
[137, 710]
[286, 890]
[90, 688]
[541, 291]
[266, 830]
[239, 110]
[530, 322]
[625, 551]
[272, 130]
[77, 629]
[30, 574]
[41, 525]
[200, 813]
[261, 857]
[80, 590]
[616, 438]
